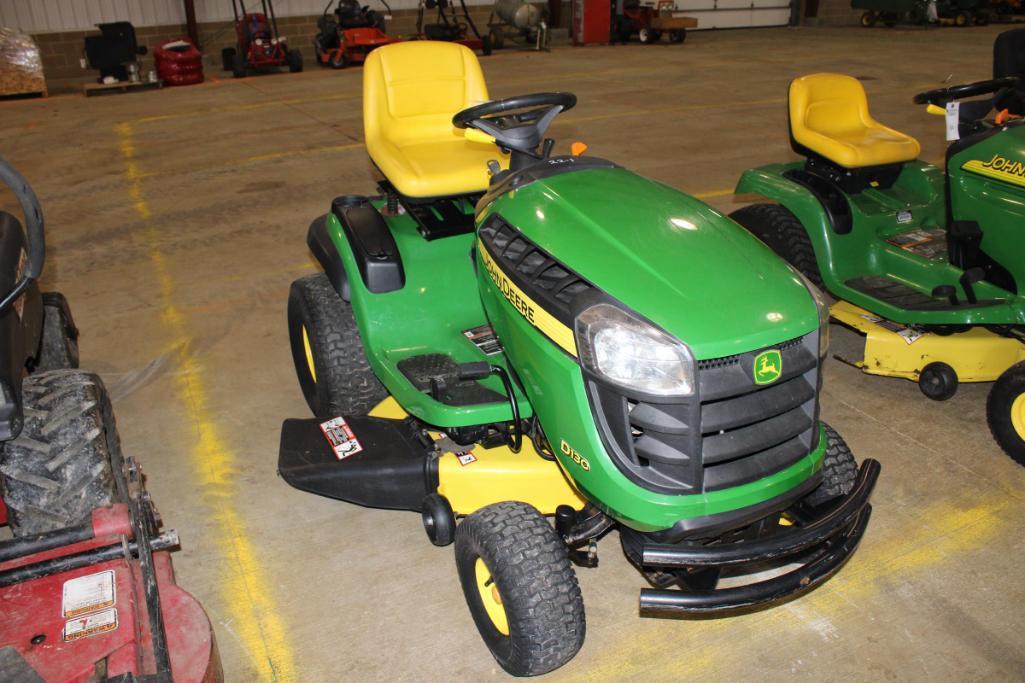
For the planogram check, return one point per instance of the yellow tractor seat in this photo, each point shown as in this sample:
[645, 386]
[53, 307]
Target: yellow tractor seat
[829, 117]
[411, 90]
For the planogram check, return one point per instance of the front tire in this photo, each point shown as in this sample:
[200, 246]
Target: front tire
[784, 234]
[677, 36]
[294, 59]
[520, 588]
[839, 469]
[59, 469]
[329, 358]
[1005, 412]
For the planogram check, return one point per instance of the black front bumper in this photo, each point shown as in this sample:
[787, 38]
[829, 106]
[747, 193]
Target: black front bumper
[827, 542]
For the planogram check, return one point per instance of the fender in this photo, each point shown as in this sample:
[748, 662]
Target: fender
[323, 249]
[769, 182]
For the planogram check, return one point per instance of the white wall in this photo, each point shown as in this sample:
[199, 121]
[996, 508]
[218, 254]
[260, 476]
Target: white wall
[39, 16]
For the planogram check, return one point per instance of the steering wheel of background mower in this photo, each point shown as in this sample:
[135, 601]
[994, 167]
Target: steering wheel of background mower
[940, 96]
[517, 123]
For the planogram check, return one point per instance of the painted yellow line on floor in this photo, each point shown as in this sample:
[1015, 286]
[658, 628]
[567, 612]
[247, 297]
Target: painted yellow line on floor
[246, 592]
[244, 107]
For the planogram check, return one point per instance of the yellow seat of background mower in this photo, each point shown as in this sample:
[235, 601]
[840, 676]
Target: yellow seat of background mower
[411, 91]
[829, 116]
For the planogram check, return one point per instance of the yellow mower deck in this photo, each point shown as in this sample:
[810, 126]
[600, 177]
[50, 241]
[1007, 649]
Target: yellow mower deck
[895, 350]
[494, 475]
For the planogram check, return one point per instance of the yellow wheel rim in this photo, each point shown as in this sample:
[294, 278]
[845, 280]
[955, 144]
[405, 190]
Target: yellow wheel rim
[1018, 415]
[491, 598]
[309, 354]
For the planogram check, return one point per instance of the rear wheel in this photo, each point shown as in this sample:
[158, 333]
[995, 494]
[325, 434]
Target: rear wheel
[58, 470]
[678, 35]
[520, 587]
[329, 358]
[839, 469]
[784, 234]
[1005, 412]
[228, 59]
[645, 35]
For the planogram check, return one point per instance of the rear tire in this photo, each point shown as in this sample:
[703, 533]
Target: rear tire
[340, 381]
[784, 234]
[1005, 412]
[645, 35]
[677, 36]
[517, 578]
[839, 469]
[59, 469]
[59, 347]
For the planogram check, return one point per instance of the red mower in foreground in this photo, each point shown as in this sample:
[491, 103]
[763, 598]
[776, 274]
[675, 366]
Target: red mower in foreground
[87, 592]
[347, 35]
[259, 45]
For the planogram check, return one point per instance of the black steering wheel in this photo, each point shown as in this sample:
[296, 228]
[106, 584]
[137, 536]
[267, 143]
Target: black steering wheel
[940, 96]
[517, 123]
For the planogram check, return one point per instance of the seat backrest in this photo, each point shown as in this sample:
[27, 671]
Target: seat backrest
[412, 89]
[1009, 54]
[826, 104]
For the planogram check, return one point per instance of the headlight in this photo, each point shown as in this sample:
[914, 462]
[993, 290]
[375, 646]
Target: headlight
[823, 306]
[632, 353]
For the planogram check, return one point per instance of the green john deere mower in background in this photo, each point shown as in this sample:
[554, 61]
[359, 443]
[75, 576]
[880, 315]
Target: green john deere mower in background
[554, 351]
[926, 262]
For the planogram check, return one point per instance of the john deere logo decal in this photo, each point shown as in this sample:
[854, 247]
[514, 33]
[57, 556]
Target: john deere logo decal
[998, 167]
[768, 367]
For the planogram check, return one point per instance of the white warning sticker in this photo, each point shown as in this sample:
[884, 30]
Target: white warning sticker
[341, 437]
[88, 594]
[90, 625]
[466, 458]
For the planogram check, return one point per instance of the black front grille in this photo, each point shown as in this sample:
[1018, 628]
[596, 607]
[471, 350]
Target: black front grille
[731, 432]
[539, 275]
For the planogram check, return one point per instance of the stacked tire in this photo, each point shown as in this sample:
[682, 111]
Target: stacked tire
[179, 62]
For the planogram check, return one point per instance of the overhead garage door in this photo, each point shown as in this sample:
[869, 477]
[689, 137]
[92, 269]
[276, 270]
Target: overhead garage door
[736, 13]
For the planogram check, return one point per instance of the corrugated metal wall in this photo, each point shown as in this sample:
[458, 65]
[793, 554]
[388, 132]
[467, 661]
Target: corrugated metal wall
[38, 16]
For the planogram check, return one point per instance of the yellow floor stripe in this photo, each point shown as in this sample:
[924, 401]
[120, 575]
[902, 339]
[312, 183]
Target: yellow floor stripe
[246, 591]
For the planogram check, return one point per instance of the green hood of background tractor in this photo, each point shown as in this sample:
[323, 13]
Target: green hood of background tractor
[667, 256]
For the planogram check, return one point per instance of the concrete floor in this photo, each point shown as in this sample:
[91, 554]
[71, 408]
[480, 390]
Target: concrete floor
[177, 220]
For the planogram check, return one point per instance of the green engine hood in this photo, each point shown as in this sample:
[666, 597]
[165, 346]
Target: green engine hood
[666, 255]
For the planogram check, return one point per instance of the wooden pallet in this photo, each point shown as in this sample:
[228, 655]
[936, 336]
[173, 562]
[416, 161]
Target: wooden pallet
[91, 89]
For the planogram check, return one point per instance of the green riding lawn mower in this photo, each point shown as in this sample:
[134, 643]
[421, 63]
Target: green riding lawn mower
[548, 348]
[925, 261]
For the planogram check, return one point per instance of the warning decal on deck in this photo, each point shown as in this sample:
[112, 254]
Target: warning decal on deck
[88, 594]
[341, 437]
[91, 625]
[466, 458]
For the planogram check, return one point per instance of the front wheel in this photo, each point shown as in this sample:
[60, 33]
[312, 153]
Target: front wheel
[868, 19]
[339, 59]
[678, 35]
[59, 469]
[1005, 412]
[784, 234]
[330, 362]
[839, 469]
[520, 587]
[294, 59]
